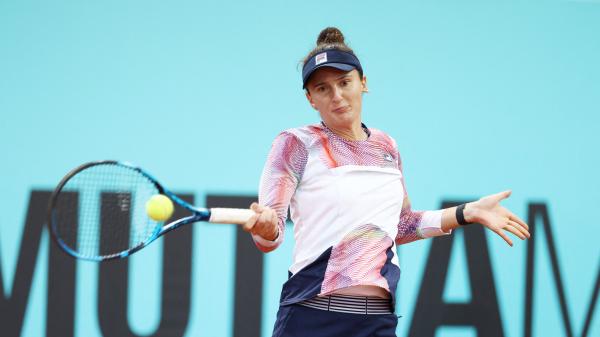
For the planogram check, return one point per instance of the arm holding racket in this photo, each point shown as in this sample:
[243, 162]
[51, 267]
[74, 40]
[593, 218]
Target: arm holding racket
[280, 177]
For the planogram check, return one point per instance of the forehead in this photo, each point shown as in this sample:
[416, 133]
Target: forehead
[326, 74]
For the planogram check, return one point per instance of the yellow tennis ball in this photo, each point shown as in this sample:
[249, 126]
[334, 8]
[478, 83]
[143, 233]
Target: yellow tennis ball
[159, 207]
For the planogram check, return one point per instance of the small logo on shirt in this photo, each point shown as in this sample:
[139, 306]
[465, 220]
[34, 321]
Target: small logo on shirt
[388, 157]
[321, 58]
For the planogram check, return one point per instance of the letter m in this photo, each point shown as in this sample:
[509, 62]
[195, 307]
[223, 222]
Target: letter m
[61, 278]
[540, 212]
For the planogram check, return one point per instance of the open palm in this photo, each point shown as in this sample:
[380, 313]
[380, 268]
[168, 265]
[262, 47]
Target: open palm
[488, 212]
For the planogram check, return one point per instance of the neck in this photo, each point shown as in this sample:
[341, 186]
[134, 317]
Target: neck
[353, 132]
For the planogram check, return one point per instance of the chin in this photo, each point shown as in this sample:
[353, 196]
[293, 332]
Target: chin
[348, 116]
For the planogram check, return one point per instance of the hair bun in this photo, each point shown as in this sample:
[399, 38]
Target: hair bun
[330, 35]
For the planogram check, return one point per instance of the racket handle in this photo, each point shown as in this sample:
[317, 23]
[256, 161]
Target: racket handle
[238, 216]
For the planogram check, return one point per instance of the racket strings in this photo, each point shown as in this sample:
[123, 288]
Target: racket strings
[107, 202]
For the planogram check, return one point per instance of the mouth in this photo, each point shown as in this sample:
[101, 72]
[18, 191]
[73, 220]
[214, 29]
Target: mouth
[341, 109]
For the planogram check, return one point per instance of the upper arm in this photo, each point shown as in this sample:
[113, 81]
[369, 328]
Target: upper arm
[283, 171]
[281, 175]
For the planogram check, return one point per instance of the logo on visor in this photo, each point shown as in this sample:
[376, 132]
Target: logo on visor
[321, 58]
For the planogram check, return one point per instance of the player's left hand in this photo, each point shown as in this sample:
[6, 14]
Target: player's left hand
[488, 212]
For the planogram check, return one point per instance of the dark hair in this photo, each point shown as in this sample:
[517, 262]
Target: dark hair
[329, 38]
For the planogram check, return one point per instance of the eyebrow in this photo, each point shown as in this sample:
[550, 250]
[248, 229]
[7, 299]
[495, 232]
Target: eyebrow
[339, 78]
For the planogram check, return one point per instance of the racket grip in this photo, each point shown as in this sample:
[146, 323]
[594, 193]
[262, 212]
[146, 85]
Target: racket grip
[238, 216]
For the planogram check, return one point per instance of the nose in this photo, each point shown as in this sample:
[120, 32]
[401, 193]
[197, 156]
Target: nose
[337, 94]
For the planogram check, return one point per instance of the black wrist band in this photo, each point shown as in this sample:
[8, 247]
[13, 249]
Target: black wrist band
[460, 215]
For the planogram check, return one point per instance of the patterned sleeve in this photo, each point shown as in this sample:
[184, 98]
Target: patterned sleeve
[416, 225]
[281, 175]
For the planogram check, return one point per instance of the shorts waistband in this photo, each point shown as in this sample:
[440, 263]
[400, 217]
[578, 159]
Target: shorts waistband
[350, 304]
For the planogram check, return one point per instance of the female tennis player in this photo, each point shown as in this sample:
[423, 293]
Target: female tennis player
[344, 185]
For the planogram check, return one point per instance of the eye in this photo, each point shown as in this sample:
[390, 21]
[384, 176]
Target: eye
[345, 82]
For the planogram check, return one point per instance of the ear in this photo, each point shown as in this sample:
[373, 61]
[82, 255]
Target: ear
[309, 98]
[364, 84]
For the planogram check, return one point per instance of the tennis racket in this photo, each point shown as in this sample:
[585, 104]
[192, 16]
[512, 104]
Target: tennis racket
[97, 212]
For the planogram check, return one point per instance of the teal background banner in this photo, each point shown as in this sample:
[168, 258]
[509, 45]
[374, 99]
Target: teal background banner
[481, 96]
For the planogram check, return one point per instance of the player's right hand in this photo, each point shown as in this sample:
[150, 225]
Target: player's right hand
[263, 222]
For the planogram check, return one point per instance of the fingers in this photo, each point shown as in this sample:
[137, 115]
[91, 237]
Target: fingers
[263, 222]
[496, 226]
[514, 230]
[500, 233]
[504, 236]
[257, 207]
[249, 225]
[515, 218]
[509, 226]
[519, 223]
[499, 224]
[502, 195]
[520, 228]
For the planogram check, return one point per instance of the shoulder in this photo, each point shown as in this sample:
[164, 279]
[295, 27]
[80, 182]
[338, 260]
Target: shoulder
[380, 136]
[288, 149]
[305, 135]
[306, 131]
[297, 139]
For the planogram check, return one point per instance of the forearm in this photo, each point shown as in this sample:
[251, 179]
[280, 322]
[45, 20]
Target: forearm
[416, 225]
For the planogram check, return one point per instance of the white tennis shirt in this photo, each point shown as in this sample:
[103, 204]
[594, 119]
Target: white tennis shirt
[347, 196]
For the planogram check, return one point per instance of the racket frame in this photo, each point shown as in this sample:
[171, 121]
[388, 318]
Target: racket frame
[198, 213]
